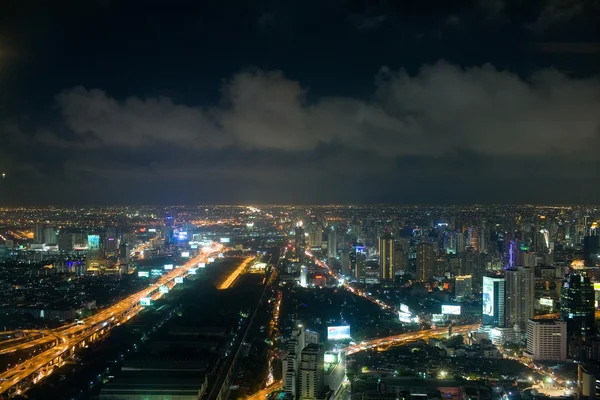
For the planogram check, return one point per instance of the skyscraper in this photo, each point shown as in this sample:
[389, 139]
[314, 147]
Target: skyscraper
[50, 236]
[38, 233]
[546, 340]
[425, 261]
[520, 294]
[386, 258]
[494, 313]
[463, 287]
[291, 362]
[311, 371]
[331, 243]
[299, 242]
[577, 304]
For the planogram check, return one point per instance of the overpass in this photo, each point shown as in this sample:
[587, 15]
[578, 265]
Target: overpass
[68, 339]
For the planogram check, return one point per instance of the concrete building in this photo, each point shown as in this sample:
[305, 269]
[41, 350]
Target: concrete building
[520, 296]
[291, 362]
[425, 261]
[386, 258]
[463, 286]
[546, 340]
[311, 373]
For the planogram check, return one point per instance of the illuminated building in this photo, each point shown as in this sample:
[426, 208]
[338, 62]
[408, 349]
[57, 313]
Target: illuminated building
[494, 313]
[546, 340]
[111, 243]
[50, 236]
[577, 309]
[345, 262]
[463, 286]
[303, 276]
[474, 239]
[299, 242]
[386, 258]
[291, 362]
[360, 263]
[311, 373]
[38, 233]
[520, 295]
[425, 261]
[590, 250]
[332, 243]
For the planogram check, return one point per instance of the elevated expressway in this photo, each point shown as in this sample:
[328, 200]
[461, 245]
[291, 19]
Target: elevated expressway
[66, 340]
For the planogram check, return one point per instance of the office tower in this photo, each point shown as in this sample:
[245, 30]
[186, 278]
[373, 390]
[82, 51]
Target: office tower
[345, 262]
[315, 237]
[291, 362]
[111, 243]
[494, 301]
[546, 340]
[520, 294]
[303, 276]
[386, 258]
[577, 304]
[450, 242]
[474, 239]
[299, 242]
[400, 258]
[332, 243]
[124, 253]
[50, 236]
[425, 261]
[360, 263]
[467, 266]
[166, 232]
[590, 250]
[463, 287]
[80, 241]
[65, 241]
[38, 233]
[311, 371]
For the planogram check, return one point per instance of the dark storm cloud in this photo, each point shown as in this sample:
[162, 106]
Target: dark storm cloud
[448, 129]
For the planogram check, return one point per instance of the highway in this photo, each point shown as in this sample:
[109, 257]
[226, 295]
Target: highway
[408, 337]
[73, 336]
[226, 284]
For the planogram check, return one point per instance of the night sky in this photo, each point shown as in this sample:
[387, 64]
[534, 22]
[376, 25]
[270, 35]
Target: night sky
[152, 102]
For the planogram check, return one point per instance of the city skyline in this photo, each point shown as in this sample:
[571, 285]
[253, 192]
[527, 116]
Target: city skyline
[421, 102]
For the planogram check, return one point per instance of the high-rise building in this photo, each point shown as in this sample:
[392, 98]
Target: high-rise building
[345, 262]
[38, 233]
[591, 244]
[299, 242]
[65, 241]
[332, 243]
[494, 313]
[315, 237]
[546, 340]
[124, 253]
[463, 287]
[360, 264]
[50, 236]
[577, 304]
[311, 371]
[303, 276]
[425, 261]
[520, 296]
[291, 362]
[386, 258]
[111, 243]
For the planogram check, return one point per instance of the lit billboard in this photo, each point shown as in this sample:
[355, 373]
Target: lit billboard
[168, 266]
[211, 259]
[145, 301]
[201, 265]
[163, 289]
[192, 271]
[178, 279]
[156, 272]
[544, 301]
[224, 240]
[93, 242]
[404, 308]
[338, 332]
[185, 254]
[488, 300]
[143, 274]
[450, 310]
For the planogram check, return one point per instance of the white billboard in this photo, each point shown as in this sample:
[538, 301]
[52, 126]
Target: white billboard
[544, 301]
[185, 254]
[145, 301]
[163, 289]
[168, 266]
[192, 271]
[201, 265]
[488, 297]
[143, 274]
[224, 240]
[450, 310]
[178, 279]
[211, 259]
[404, 308]
[338, 332]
